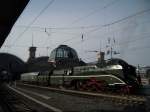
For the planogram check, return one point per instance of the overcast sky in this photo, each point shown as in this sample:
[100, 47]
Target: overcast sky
[65, 21]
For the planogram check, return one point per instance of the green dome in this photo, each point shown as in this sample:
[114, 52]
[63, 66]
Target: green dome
[63, 52]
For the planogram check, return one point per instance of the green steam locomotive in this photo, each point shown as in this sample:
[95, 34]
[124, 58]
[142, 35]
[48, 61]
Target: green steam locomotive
[69, 72]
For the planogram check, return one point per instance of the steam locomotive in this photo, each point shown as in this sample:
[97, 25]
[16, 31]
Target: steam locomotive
[115, 75]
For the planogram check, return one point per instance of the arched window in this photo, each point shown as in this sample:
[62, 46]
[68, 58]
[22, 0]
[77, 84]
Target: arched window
[53, 53]
[59, 53]
[65, 54]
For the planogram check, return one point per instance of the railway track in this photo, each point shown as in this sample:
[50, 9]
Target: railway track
[131, 100]
[11, 102]
[125, 100]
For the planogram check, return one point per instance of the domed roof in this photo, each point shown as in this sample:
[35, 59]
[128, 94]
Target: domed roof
[63, 51]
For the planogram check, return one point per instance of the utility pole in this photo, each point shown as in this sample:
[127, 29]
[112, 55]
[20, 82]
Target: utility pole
[47, 48]
[32, 39]
[111, 50]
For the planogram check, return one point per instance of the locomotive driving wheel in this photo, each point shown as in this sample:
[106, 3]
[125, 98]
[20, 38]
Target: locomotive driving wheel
[125, 89]
[90, 85]
[94, 85]
[78, 85]
[81, 85]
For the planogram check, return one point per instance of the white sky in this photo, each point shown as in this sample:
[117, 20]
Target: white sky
[66, 20]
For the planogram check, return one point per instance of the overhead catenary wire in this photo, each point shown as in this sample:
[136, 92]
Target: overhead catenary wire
[115, 22]
[41, 12]
[75, 34]
[134, 49]
[83, 27]
[99, 26]
[108, 24]
[115, 44]
[24, 46]
[118, 21]
[122, 43]
[118, 29]
[111, 32]
[42, 29]
[70, 28]
[79, 19]
[129, 41]
[59, 28]
[94, 11]
[105, 25]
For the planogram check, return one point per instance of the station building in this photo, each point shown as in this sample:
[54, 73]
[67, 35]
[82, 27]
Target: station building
[61, 57]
